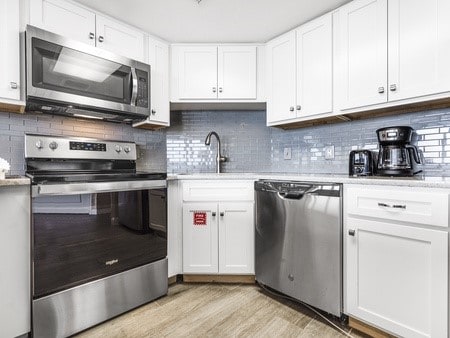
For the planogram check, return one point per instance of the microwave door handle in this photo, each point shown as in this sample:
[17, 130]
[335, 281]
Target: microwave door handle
[134, 82]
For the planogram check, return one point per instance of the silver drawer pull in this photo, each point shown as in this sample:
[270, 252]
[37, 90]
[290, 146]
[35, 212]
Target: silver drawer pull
[351, 232]
[213, 214]
[394, 206]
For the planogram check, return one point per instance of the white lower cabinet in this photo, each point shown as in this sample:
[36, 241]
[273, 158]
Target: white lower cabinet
[15, 290]
[236, 238]
[218, 236]
[396, 272]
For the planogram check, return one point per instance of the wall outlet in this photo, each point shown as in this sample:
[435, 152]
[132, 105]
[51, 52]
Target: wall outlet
[287, 153]
[329, 152]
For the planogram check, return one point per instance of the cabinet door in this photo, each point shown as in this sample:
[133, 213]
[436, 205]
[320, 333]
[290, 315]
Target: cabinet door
[315, 67]
[64, 18]
[397, 277]
[120, 39]
[419, 48]
[200, 238]
[159, 62]
[9, 50]
[281, 70]
[197, 72]
[363, 48]
[237, 72]
[236, 238]
[15, 298]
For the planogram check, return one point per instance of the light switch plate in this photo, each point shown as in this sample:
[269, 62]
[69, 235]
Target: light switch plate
[287, 153]
[329, 152]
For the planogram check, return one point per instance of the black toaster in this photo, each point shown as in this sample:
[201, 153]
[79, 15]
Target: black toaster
[361, 163]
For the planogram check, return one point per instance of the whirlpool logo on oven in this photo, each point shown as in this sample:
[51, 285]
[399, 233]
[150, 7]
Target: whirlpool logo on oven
[111, 262]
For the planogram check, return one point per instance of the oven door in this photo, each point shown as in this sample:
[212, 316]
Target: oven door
[81, 236]
[80, 76]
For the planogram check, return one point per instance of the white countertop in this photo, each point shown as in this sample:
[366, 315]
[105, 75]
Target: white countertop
[416, 181]
[14, 180]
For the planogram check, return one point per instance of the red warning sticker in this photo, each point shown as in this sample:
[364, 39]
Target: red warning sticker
[199, 218]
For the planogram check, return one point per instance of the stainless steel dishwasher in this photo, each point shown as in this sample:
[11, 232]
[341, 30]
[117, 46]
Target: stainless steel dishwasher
[298, 241]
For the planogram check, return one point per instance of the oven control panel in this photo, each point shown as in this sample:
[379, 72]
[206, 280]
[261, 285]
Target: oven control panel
[87, 146]
[40, 146]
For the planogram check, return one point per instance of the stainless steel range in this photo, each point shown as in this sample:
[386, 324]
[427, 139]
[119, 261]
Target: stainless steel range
[99, 232]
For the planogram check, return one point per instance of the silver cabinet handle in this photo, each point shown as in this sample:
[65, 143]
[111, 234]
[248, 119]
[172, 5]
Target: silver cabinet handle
[299, 107]
[393, 87]
[381, 90]
[394, 206]
[222, 214]
[14, 85]
[220, 89]
[351, 232]
[153, 112]
[91, 35]
[214, 89]
[291, 109]
[213, 214]
[101, 39]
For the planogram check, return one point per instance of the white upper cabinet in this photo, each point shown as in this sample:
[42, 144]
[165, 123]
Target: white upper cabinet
[236, 72]
[419, 48]
[9, 50]
[315, 67]
[363, 53]
[281, 78]
[197, 71]
[393, 52]
[214, 73]
[300, 73]
[78, 23]
[159, 63]
[64, 18]
[120, 39]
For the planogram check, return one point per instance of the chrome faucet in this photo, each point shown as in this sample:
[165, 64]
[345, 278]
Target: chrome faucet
[219, 157]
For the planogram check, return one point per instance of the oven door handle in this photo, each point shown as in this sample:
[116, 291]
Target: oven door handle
[97, 187]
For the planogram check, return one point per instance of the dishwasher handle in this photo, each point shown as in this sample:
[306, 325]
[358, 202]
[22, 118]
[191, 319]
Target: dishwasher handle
[292, 195]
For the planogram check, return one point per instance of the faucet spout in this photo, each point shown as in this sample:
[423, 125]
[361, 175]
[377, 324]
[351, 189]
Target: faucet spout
[219, 157]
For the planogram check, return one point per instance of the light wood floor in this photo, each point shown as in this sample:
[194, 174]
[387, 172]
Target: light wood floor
[217, 310]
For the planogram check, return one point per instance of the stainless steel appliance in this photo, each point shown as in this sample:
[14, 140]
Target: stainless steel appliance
[299, 241]
[397, 157]
[99, 232]
[67, 77]
[361, 163]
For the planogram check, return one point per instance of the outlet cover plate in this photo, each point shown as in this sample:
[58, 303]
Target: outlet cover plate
[287, 153]
[329, 152]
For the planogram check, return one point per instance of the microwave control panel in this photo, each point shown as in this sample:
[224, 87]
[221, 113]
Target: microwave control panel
[143, 88]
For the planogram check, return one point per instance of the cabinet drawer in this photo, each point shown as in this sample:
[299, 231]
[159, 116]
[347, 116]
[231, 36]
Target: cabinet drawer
[218, 191]
[405, 205]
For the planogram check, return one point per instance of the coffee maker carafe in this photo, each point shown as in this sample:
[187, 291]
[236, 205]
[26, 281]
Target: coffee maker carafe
[397, 157]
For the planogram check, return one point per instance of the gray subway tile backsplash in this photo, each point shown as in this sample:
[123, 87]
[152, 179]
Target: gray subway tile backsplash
[249, 145]
[13, 127]
[253, 147]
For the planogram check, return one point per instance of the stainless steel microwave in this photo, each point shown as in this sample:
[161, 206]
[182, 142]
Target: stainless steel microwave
[67, 77]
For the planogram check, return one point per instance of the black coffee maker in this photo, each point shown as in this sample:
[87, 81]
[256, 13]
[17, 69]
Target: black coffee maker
[397, 157]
